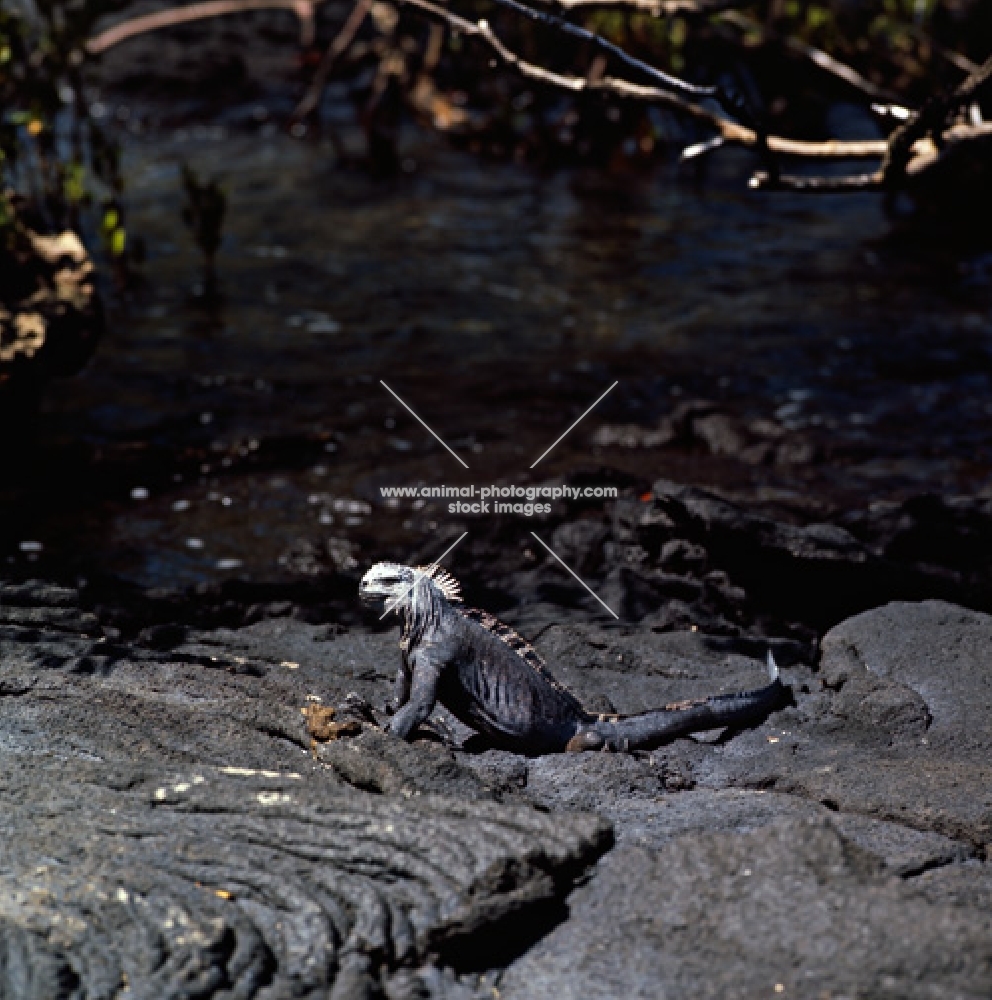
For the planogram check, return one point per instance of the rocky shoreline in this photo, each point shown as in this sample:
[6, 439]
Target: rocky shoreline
[174, 829]
[177, 819]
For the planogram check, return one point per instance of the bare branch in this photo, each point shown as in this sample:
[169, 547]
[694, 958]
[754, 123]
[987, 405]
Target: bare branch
[619, 87]
[730, 131]
[823, 60]
[483, 32]
[909, 152]
[962, 62]
[930, 118]
[921, 152]
[303, 9]
[674, 83]
[926, 155]
[335, 50]
[762, 181]
[732, 104]
[826, 149]
[656, 8]
[971, 86]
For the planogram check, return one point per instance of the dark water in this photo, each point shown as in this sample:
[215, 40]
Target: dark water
[205, 440]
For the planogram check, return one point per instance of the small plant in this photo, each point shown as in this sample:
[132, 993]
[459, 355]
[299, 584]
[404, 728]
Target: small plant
[52, 151]
[203, 214]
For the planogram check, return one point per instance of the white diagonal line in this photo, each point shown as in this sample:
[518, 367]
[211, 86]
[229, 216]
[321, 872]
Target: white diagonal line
[577, 577]
[584, 415]
[424, 425]
[395, 604]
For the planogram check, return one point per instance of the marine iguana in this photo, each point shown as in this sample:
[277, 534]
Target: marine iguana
[494, 681]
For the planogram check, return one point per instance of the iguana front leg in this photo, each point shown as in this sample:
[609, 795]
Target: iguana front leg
[426, 672]
[401, 684]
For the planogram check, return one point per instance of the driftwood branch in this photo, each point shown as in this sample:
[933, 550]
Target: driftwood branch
[483, 32]
[927, 154]
[729, 131]
[913, 148]
[913, 142]
[303, 9]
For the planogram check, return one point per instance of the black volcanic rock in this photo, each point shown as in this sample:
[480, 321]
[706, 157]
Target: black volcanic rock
[171, 828]
[894, 725]
[793, 908]
[167, 832]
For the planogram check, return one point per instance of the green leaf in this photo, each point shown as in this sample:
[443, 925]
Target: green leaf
[74, 183]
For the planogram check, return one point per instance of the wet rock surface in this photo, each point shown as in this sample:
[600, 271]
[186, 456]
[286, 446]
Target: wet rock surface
[181, 818]
[700, 423]
[674, 557]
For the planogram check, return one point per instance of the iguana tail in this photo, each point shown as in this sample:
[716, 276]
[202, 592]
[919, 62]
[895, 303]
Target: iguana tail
[651, 729]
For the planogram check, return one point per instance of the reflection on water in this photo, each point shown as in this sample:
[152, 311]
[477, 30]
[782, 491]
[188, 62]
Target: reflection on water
[248, 436]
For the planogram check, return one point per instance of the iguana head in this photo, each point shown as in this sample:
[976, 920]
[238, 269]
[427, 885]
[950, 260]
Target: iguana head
[387, 581]
[399, 587]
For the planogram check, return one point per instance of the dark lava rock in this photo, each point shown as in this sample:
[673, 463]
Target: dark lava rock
[895, 725]
[870, 825]
[697, 423]
[173, 827]
[793, 908]
[167, 832]
[937, 650]
[946, 540]
[803, 575]
[204, 880]
[678, 557]
[816, 574]
[579, 543]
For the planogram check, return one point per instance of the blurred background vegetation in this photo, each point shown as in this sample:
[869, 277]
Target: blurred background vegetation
[53, 152]
[791, 61]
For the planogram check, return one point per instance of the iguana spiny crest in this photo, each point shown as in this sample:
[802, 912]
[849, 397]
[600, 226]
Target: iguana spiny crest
[397, 584]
